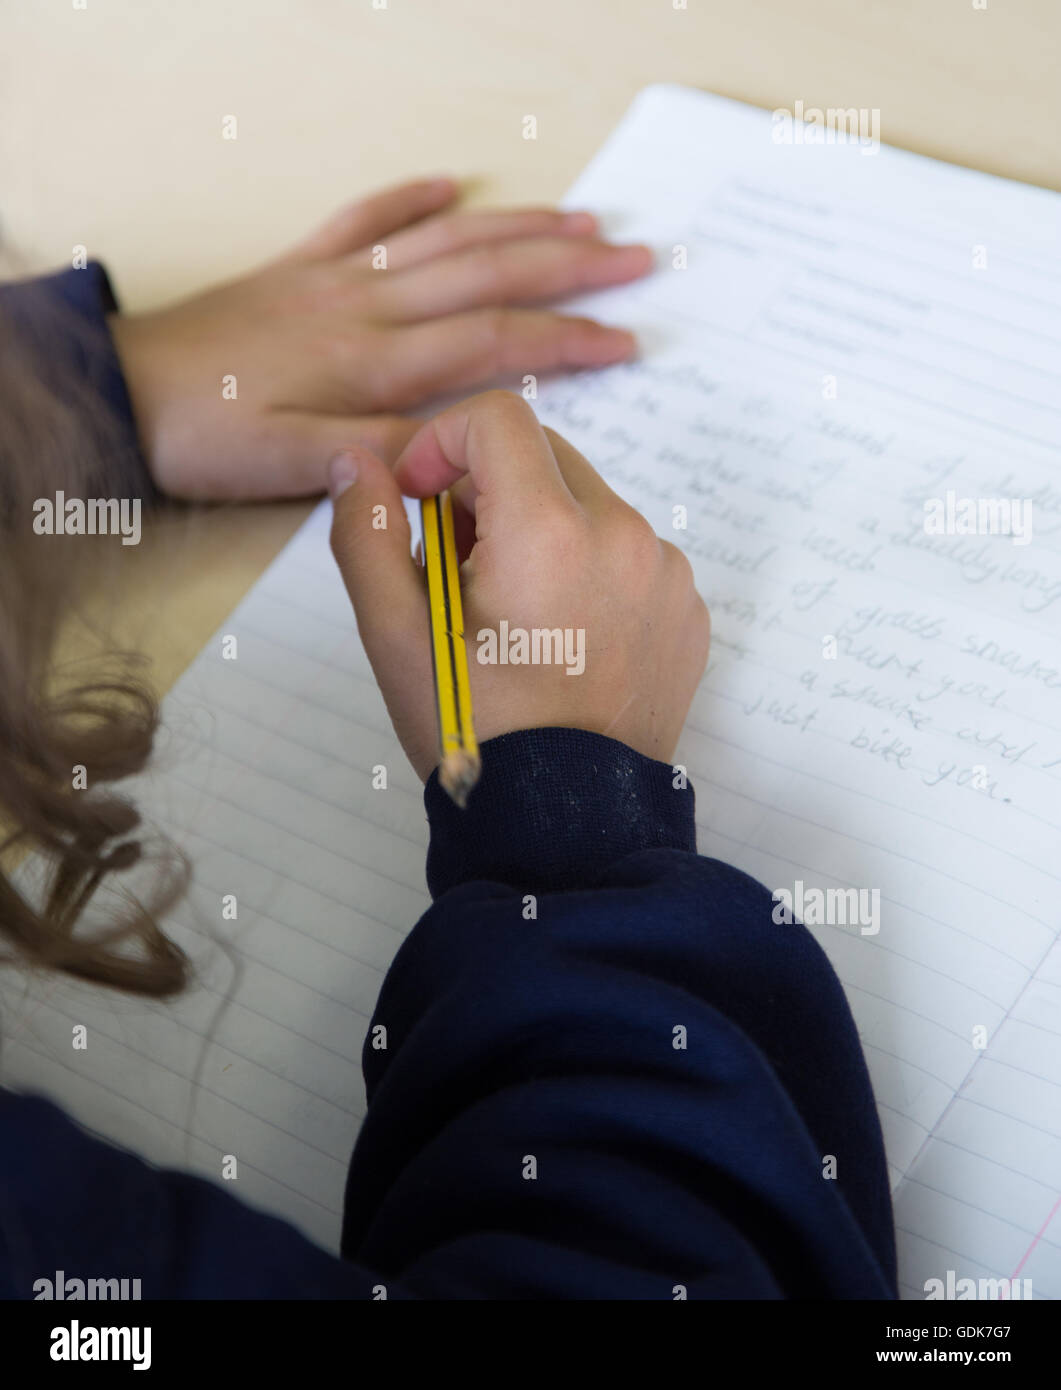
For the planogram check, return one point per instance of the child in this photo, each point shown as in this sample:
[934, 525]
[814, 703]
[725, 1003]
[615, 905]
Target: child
[630, 1091]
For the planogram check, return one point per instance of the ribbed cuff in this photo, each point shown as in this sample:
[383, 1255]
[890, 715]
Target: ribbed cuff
[552, 810]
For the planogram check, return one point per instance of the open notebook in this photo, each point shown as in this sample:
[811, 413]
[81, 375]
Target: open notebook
[852, 333]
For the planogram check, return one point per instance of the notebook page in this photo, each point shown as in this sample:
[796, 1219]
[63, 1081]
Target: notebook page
[983, 1195]
[880, 710]
[898, 764]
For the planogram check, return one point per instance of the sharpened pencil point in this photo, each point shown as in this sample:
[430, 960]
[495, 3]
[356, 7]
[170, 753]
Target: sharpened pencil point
[458, 773]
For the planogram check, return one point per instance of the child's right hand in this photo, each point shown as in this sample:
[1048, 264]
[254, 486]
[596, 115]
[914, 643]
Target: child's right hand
[552, 547]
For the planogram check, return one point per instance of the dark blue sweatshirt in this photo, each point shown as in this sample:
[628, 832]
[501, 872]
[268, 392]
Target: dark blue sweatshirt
[609, 1074]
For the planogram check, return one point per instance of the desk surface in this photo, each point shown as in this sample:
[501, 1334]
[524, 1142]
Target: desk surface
[110, 137]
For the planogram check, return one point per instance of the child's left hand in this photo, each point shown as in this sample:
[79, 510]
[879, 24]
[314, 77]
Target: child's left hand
[322, 347]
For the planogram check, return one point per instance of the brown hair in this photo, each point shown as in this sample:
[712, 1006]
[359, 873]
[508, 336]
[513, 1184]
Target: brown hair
[56, 715]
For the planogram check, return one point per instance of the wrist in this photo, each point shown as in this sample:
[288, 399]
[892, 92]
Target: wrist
[63, 322]
[554, 808]
[131, 352]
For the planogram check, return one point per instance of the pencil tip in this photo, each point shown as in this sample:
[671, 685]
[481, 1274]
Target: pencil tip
[458, 773]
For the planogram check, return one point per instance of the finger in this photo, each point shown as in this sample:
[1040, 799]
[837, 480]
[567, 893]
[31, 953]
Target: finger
[324, 435]
[584, 482]
[463, 496]
[450, 232]
[371, 542]
[496, 440]
[511, 272]
[289, 453]
[463, 350]
[370, 218]
[307, 441]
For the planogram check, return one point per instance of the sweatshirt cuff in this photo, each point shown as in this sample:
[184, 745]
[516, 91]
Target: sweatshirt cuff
[552, 810]
[62, 319]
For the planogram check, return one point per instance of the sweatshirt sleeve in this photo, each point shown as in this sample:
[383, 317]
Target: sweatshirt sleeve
[59, 324]
[598, 1068]
[71, 1202]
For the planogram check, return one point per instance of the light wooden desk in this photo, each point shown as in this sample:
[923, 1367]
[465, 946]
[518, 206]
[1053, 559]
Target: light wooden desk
[110, 136]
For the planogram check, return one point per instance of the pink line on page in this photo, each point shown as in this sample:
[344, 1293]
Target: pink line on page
[1038, 1238]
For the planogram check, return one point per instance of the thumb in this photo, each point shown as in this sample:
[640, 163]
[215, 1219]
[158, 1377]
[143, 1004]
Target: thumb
[370, 539]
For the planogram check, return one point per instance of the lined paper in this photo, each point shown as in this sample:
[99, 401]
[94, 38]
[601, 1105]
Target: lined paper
[850, 334]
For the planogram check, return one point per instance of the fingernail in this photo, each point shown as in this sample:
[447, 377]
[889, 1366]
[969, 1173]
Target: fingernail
[342, 471]
[626, 262]
[618, 344]
[634, 250]
[605, 346]
[579, 222]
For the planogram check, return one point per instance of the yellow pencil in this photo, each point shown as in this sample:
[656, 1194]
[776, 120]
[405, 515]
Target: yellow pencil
[459, 763]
